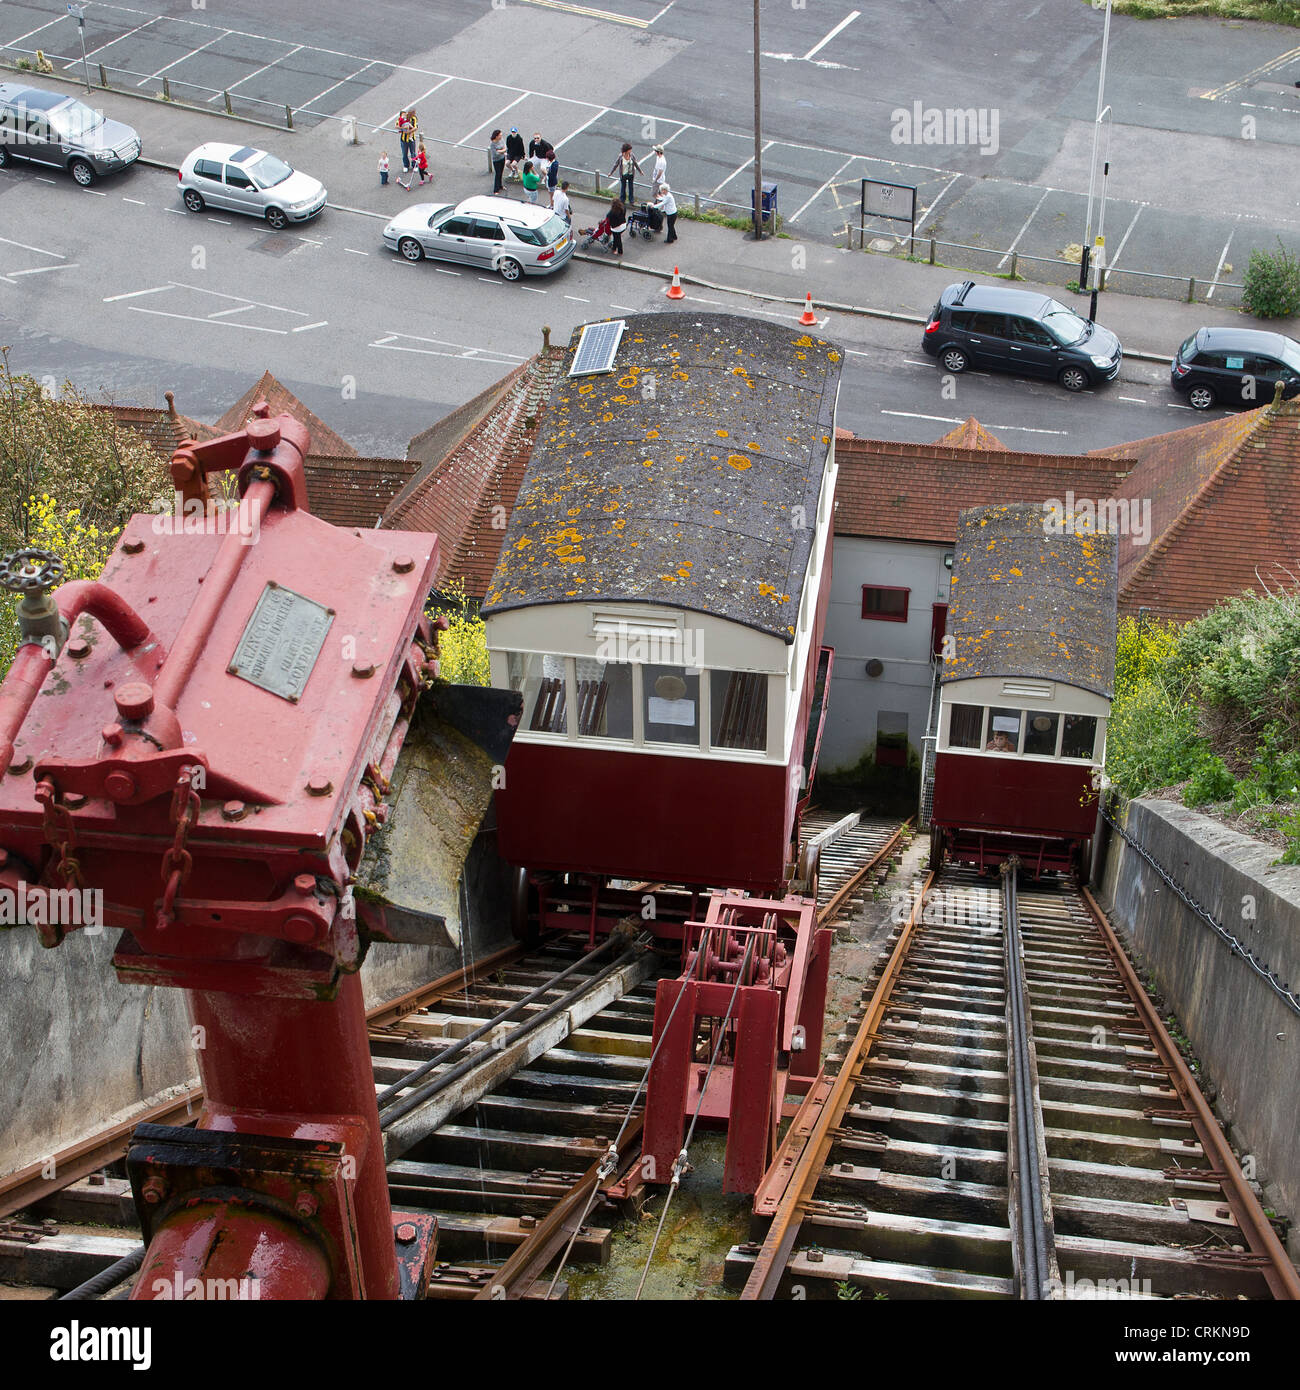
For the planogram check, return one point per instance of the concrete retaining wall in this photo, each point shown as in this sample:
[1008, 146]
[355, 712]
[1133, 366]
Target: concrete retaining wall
[79, 1050]
[1246, 1037]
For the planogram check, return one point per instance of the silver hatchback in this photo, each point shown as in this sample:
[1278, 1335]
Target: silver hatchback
[498, 234]
[56, 129]
[240, 178]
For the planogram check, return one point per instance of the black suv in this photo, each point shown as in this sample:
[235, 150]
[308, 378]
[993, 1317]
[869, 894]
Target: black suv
[1235, 366]
[1019, 331]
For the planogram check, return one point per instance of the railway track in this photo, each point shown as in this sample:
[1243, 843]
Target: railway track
[1010, 1120]
[501, 1090]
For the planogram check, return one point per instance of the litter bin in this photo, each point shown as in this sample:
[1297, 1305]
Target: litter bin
[769, 201]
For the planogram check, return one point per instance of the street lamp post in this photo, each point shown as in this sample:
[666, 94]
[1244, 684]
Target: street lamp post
[1099, 260]
[1085, 258]
[758, 136]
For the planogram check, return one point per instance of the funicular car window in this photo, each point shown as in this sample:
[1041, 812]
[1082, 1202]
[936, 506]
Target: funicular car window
[1079, 736]
[672, 704]
[965, 726]
[1004, 731]
[738, 710]
[541, 681]
[604, 699]
[1040, 734]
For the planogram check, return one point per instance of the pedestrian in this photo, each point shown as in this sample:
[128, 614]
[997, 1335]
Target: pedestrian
[514, 151]
[552, 172]
[617, 218]
[667, 204]
[627, 168]
[422, 163]
[407, 126]
[530, 181]
[536, 145]
[659, 173]
[497, 161]
[383, 167]
[560, 203]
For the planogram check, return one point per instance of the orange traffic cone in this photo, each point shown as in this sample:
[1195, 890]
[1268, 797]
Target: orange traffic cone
[675, 291]
[808, 318]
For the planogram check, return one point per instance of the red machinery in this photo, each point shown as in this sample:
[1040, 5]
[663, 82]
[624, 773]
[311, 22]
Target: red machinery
[738, 1028]
[212, 752]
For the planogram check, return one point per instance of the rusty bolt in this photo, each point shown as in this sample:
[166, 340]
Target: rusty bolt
[1222, 1213]
[78, 649]
[815, 1257]
[111, 734]
[21, 766]
[300, 929]
[403, 564]
[234, 810]
[132, 547]
[527, 1223]
[263, 434]
[134, 700]
[97, 1179]
[120, 786]
[153, 1191]
[75, 800]
[406, 1233]
[319, 786]
[441, 623]
[363, 670]
[305, 884]
[306, 1204]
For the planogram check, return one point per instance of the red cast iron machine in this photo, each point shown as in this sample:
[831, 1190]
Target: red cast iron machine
[206, 735]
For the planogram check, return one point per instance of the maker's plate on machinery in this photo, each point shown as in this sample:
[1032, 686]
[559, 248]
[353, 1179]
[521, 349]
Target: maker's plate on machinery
[281, 642]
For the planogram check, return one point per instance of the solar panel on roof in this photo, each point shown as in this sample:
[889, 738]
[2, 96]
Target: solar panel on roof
[597, 347]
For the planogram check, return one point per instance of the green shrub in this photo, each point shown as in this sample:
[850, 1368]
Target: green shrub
[1210, 782]
[1271, 289]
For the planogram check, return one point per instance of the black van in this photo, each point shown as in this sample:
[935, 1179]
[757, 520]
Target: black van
[1235, 366]
[1019, 331]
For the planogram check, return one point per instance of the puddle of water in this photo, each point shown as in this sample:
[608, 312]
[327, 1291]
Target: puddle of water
[702, 1226]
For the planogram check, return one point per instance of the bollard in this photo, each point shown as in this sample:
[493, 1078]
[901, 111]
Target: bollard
[1015, 256]
[288, 116]
[931, 250]
[1101, 283]
[1191, 288]
[229, 111]
[697, 205]
[103, 76]
[167, 90]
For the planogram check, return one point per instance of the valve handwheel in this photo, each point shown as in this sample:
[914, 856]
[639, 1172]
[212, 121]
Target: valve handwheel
[31, 571]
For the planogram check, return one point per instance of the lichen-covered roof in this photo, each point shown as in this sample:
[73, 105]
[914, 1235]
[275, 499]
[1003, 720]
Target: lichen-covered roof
[678, 478]
[1033, 595]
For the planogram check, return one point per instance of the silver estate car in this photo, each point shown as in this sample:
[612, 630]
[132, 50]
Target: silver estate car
[242, 179]
[492, 233]
[54, 128]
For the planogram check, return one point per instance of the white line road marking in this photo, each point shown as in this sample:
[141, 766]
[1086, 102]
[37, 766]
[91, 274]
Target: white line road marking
[307, 327]
[40, 178]
[700, 299]
[308, 241]
[628, 309]
[42, 269]
[490, 123]
[40, 250]
[823, 188]
[1244, 81]
[533, 289]
[661, 13]
[135, 294]
[220, 323]
[153, 20]
[392, 120]
[843, 24]
[94, 192]
[488, 355]
[577, 298]
[307, 105]
[223, 221]
[297, 48]
[740, 170]
[49, 23]
[1119, 250]
[441, 271]
[560, 144]
[136, 201]
[176, 212]
[225, 33]
[1024, 228]
[352, 251]
[934, 204]
[1175, 405]
[916, 361]
[238, 309]
[1132, 400]
[954, 420]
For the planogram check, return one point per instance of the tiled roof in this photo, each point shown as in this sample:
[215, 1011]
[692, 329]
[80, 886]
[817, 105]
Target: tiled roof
[914, 492]
[354, 491]
[163, 429]
[465, 488]
[970, 434]
[1222, 511]
[283, 402]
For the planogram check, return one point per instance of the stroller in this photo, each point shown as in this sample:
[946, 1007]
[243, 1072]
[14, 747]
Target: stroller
[645, 221]
[599, 235]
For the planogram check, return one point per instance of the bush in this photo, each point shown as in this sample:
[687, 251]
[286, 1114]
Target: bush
[1271, 289]
[462, 649]
[1210, 782]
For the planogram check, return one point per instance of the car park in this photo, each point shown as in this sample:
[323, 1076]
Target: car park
[56, 129]
[1019, 331]
[494, 234]
[1235, 366]
[239, 178]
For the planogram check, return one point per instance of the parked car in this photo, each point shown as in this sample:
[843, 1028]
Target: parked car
[1019, 331]
[56, 129]
[242, 179]
[491, 233]
[1235, 366]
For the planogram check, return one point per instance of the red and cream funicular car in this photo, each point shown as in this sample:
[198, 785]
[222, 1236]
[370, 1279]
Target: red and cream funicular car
[659, 602]
[1027, 682]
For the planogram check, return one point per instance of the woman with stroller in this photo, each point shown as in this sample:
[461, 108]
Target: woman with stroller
[617, 219]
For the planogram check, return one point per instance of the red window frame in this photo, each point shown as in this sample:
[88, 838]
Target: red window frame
[886, 589]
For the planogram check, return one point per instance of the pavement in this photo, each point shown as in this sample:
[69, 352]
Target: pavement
[778, 269]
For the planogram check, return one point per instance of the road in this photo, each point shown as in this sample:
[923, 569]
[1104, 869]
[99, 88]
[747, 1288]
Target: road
[121, 291]
[1204, 112]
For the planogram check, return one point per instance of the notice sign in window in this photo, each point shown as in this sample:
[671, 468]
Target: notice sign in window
[679, 712]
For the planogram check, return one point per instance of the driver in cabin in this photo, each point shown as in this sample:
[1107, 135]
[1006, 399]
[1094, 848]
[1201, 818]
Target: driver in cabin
[1000, 743]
